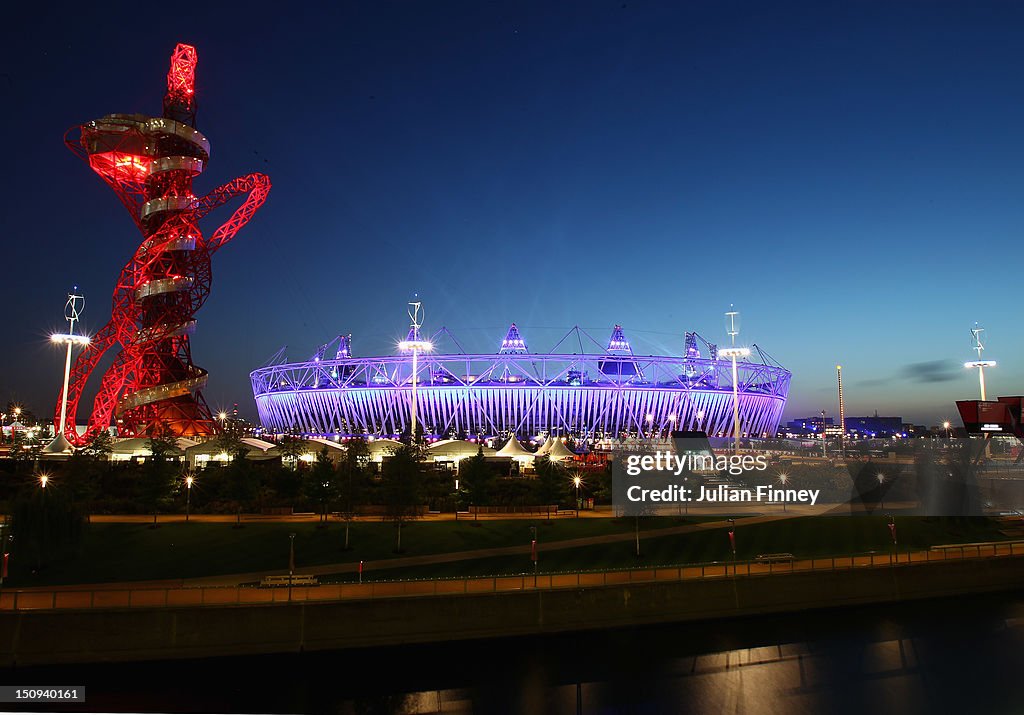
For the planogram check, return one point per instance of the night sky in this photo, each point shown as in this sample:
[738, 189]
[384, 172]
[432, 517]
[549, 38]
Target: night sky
[849, 175]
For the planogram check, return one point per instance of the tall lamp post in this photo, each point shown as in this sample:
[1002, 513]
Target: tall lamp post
[732, 543]
[824, 435]
[72, 313]
[188, 495]
[291, 563]
[733, 352]
[979, 363]
[416, 344]
[577, 481]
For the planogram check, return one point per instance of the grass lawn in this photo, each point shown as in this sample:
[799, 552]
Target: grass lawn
[135, 552]
[802, 537]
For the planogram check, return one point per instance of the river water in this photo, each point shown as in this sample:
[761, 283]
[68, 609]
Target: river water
[952, 655]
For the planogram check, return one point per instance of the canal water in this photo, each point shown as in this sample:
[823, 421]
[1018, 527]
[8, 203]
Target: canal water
[951, 655]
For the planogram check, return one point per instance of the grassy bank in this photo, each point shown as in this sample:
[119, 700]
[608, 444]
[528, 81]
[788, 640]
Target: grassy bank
[133, 552]
[802, 537]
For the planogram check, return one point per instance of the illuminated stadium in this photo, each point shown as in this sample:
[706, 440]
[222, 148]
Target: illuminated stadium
[606, 393]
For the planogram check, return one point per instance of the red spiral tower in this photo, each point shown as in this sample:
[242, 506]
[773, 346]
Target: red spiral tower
[153, 387]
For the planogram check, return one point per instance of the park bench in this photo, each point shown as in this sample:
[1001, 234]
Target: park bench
[296, 580]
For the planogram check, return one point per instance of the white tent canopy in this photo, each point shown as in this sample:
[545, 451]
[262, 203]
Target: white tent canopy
[558, 451]
[514, 449]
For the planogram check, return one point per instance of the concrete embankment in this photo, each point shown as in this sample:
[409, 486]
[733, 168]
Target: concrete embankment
[56, 636]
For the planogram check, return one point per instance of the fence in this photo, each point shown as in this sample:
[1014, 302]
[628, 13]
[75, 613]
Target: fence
[28, 600]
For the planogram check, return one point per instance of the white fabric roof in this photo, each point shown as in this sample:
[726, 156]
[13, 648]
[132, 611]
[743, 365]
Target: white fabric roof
[513, 448]
[559, 451]
[459, 448]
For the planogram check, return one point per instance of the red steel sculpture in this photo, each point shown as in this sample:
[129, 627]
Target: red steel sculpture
[152, 387]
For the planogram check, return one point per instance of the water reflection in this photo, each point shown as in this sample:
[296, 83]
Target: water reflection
[936, 656]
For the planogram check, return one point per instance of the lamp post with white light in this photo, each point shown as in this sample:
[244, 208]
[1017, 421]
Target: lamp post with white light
[188, 494]
[72, 313]
[733, 352]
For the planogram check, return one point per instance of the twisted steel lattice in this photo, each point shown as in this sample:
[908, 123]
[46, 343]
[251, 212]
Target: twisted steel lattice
[152, 386]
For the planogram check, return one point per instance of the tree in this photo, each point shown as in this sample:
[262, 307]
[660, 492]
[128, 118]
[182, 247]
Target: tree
[80, 476]
[402, 482]
[477, 478]
[45, 525]
[99, 447]
[604, 491]
[157, 478]
[241, 484]
[321, 482]
[552, 480]
[352, 475]
[229, 439]
[291, 449]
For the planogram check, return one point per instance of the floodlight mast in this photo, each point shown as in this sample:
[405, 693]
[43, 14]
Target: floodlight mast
[73, 314]
[979, 363]
[415, 343]
[733, 329]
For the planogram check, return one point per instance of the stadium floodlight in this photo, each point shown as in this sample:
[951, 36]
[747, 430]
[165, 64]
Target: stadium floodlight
[73, 314]
[979, 363]
[415, 344]
[733, 352]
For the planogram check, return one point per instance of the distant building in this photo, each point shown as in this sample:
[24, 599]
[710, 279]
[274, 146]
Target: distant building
[856, 427]
[875, 426]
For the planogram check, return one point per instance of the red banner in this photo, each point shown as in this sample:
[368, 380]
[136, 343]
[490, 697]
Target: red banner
[533, 551]
[892, 530]
[732, 540]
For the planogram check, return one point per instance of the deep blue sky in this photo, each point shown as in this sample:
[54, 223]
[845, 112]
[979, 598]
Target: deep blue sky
[850, 175]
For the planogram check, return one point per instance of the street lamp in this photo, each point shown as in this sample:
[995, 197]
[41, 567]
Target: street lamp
[291, 563]
[188, 494]
[783, 480]
[881, 494]
[533, 553]
[945, 426]
[824, 448]
[734, 352]
[577, 481]
[732, 543]
[892, 533]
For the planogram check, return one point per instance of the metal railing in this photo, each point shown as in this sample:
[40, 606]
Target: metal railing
[112, 598]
